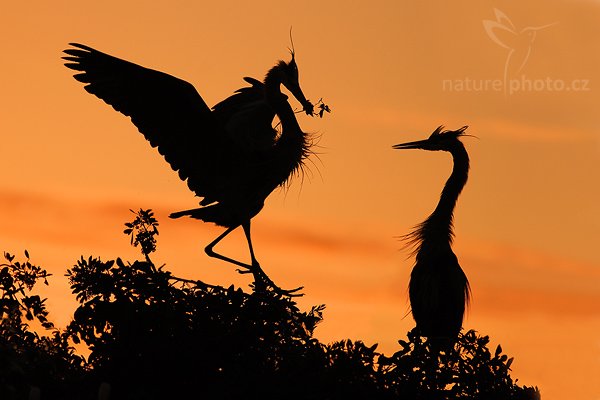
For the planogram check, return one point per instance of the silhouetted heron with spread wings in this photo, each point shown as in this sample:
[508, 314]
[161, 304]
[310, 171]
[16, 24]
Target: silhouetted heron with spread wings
[438, 289]
[231, 155]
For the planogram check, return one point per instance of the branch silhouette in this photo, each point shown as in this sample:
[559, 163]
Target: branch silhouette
[150, 335]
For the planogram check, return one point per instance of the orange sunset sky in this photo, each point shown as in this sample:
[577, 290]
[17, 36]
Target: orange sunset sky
[527, 223]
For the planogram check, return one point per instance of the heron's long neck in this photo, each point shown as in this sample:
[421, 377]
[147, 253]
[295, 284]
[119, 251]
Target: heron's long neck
[440, 221]
[290, 148]
[279, 103]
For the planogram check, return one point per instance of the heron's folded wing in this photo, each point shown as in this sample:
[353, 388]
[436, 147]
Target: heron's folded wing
[168, 111]
[242, 98]
[248, 118]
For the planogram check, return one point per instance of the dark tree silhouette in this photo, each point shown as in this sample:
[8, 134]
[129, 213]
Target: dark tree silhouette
[28, 360]
[152, 335]
[231, 156]
[438, 288]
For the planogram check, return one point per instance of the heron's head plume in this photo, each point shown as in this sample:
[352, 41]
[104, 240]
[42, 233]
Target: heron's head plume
[289, 70]
[291, 49]
[440, 139]
[288, 76]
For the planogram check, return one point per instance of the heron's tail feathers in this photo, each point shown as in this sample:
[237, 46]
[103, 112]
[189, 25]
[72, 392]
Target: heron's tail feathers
[213, 213]
[197, 213]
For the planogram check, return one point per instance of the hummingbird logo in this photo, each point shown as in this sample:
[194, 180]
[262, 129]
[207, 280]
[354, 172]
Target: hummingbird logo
[518, 42]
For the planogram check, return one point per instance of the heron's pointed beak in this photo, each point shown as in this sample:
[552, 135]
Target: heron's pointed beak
[419, 144]
[307, 106]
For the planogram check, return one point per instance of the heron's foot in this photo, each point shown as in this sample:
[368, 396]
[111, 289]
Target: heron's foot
[245, 270]
[296, 292]
[262, 282]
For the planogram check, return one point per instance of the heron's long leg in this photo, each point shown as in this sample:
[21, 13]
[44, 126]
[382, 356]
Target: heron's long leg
[246, 227]
[211, 253]
[261, 279]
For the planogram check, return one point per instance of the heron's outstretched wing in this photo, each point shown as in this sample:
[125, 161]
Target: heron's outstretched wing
[168, 111]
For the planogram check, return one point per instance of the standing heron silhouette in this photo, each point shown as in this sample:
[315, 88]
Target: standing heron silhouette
[439, 290]
[231, 155]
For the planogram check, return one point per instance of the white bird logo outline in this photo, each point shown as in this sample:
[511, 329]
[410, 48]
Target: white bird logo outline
[512, 38]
